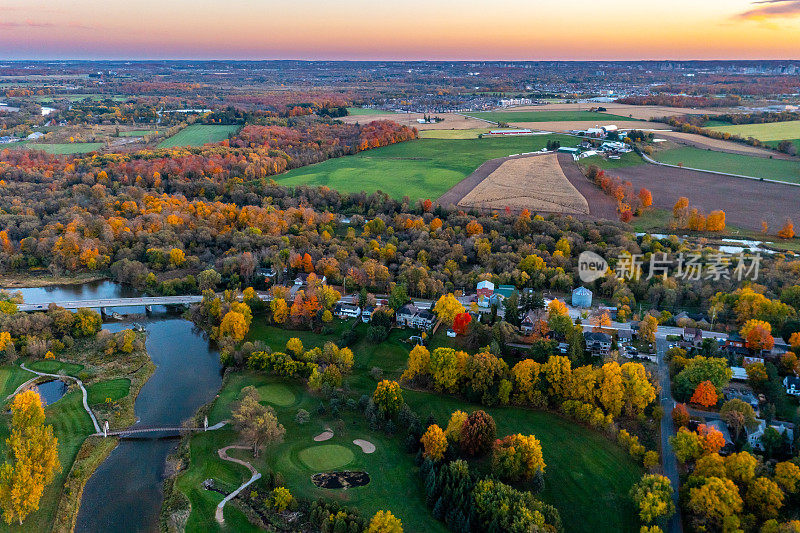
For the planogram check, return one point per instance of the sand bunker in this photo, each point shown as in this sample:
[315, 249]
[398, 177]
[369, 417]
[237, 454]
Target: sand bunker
[365, 445]
[325, 435]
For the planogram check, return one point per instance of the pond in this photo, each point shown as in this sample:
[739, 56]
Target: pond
[51, 391]
[125, 492]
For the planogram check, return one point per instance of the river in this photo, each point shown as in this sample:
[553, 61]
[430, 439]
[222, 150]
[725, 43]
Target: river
[125, 492]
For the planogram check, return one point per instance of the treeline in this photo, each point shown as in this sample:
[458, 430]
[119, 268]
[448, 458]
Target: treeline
[676, 100]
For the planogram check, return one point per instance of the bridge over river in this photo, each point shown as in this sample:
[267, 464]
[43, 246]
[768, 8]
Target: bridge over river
[103, 303]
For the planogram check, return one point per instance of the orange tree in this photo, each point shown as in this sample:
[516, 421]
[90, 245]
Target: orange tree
[705, 394]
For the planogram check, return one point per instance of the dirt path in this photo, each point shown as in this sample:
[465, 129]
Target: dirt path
[223, 454]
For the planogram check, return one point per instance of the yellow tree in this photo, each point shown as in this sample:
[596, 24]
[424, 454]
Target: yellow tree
[419, 363]
[5, 339]
[447, 308]
[765, 497]
[653, 496]
[385, 522]
[434, 443]
[611, 394]
[294, 346]
[33, 452]
[648, 328]
[234, 325]
[638, 390]
[556, 307]
[280, 310]
[454, 425]
[787, 475]
[518, 457]
[714, 501]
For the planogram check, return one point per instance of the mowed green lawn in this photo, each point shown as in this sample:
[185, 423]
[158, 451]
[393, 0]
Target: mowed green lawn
[546, 116]
[773, 131]
[631, 159]
[757, 167]
[199, 134]
[425, 168]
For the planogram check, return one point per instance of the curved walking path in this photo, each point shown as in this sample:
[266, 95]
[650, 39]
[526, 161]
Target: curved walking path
[223, 454]
[80, 384]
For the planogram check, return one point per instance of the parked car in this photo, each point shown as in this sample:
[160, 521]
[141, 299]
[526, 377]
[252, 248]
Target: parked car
[451, 333]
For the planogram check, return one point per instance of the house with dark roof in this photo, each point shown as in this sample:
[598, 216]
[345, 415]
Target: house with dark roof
[792, 385]
[406, 314]
[597, 342]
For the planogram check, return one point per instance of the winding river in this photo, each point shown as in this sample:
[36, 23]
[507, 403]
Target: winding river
[125, 492]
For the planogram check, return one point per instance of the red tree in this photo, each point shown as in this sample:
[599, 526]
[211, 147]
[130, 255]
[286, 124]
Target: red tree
[705, 394]
[461, 323]
[478, 433]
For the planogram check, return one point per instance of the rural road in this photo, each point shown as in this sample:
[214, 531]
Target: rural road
[80, 384]
[223, 454]
[668, 460]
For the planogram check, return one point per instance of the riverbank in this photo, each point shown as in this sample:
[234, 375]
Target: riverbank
[113, 381]
[33, 281]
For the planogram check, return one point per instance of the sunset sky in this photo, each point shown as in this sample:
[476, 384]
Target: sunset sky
[412, 29]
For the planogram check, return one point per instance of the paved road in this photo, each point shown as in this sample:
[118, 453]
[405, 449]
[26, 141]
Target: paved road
[114, 302]
[668, 459]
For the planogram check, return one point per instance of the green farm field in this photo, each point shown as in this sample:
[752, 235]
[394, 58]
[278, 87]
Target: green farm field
[773, 131]
[546, 116]
[756, 167]
[359, 111]
[631, 159]
[425, 168]
[137, 133]
[198, 135]
[62, 149]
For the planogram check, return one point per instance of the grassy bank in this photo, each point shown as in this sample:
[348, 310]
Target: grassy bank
[757, 167]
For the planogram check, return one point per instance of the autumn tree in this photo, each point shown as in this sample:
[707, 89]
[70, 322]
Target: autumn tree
[764, 497]
[741, 467]
[461, 323]
[712, 439]
[787, 231]
[557, 307]
[787, 475]
[714, 502]
[518, 457]
[32, 452]
[447, 308]
[648, 328]
[257, 423]
[738, 414]
[715, 221]
[680, 415]
[687, 444]
[681, 207]
[653, 498]
[478, 433]
[388, 397]
[455, 425]
[385, 522]
[280, 310]
[645, 197]
[757, 334]
[234, 325]
[705, 394]
[434, 443]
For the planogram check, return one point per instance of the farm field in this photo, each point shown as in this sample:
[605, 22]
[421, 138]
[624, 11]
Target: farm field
[137, 133]
[705, 143]
[636, 112]
[453, 134]
[364, 111]
[449, 121]
[424, 168]
[62, 148]
[773, 131]
[198, 135]
[757, 167]
[630, 159]
[513, 117]
[745, 202]
[536, 183]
